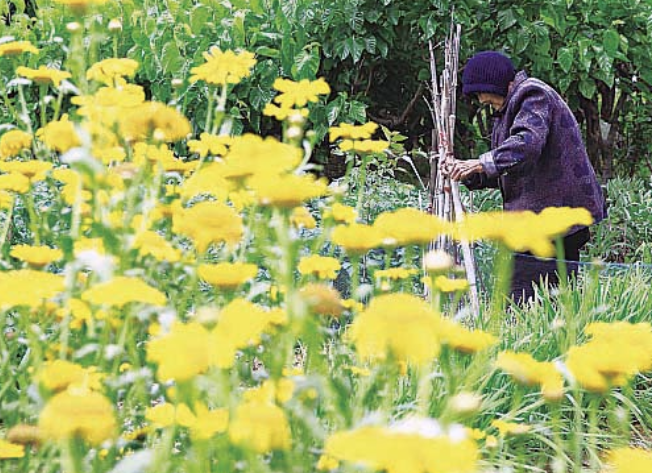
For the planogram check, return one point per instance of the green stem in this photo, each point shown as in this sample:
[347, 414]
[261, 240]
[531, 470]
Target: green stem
[33, 218]
[504, 263]
[42, 92]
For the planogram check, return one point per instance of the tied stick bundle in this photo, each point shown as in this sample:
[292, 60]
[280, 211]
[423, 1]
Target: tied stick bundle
[445, 199]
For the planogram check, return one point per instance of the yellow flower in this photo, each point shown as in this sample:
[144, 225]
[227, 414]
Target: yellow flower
[510, 428]
[6, 200]
[122, 290]
[395, 274]
[227, 275]
[161, 415]
[400, 324]
[59, 135]
[323, 267]
[203, 423]
[241, 324]
[34, 170]
[354, 132]
[628, 460]
[252, 155]
[154, 120]
[326, 463]
[80, 414]
[13, 142]
[298, 94]
[301, 217]
[283, 113]
[27, 287]
[222, 68]
[364, 146]
[445, 284]
[270, 391]
[410, 226]
[403, 450]
[214, 145]
[89, 244]
[462, 339]
[358, 371]
[13, 48]
[209, 222]
[8, 449]
[322, 300]
[182, 354]
[59, 374]
[108, 70]
[36, 255]
[357, 238]
[286, 191]
[342, 213]
[14, 182]
[151, 243]
[262, 426]
[528, 371]
[207, 180]
[43, 75]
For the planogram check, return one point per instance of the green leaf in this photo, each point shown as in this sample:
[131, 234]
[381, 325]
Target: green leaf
[587, 88]
[506, 19]
[357, 111]
[306, 64]
[565, 59]
[267, 52]
[171, 59]
[198, 18]
[610, 41]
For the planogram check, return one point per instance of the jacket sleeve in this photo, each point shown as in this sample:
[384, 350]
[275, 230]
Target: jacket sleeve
[480, 181]
[527, 135]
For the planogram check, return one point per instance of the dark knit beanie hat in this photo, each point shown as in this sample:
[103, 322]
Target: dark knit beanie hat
[488, 71]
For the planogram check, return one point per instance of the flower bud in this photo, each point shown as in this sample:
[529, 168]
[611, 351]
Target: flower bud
[437, 261]
[115, 25]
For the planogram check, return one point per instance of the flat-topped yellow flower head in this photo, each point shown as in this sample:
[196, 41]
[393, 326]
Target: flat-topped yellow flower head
[223, 67]
[14, 48]
[43, 75]
[13, 142]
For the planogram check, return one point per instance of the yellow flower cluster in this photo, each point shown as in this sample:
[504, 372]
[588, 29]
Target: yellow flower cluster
[37, 256]
[61, 374]
[261, 426]
[322, 300]
[530, 372]
[13, 142]
[150, 243]
[43, 75]
[616, 352]
[295, 94]
[202, 422]
[78, 413]
[301, 217]
[110, 71]
[214, 145]
[13, 48]
[323, 267]
[28, 287]
[190, 349]
[628, 460]
[459, 338]
[11, 450]
[209, 222]
[122, 290]
[222, 68]
[408, 226]
[59, 135]
[227, 275]
[398, 450]
[356, 138]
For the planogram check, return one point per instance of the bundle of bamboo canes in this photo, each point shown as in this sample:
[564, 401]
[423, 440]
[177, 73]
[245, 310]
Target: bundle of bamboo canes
[445, 198]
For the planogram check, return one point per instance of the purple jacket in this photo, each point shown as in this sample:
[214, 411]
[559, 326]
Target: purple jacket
[537, 156]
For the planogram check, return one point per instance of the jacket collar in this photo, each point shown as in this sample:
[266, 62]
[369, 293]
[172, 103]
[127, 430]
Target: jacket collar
[520, 77]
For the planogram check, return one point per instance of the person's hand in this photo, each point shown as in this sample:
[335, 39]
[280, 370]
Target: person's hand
[462, 169]
[446, 164]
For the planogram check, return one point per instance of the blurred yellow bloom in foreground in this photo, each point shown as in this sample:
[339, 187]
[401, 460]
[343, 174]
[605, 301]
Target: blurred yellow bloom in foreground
[459, 338]
[80, 414]
[14, 182]
[403, 450]
[209, 222]
[227, 275]
[154, 120]
[122, 290]
[286, 191]
[13, 142]
[214, 145]
[11, 450]
[301, 217]
[261, 426]
[510, 428]
[354, 132]
[400, 324]
[36, 255]
[341, 213]
[202, 422]
[530, 372]
[155, 245]
[33, 170]
[628, 460]
[59, 135]
[357, 238]
[27, 287]
[321, 299]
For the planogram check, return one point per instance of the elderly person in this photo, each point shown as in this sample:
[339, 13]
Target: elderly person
[537, 159]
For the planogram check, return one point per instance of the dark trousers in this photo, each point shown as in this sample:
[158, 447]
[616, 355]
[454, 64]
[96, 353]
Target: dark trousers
[528, 270]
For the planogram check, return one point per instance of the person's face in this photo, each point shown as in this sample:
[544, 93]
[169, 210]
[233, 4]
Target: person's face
[494, 100]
